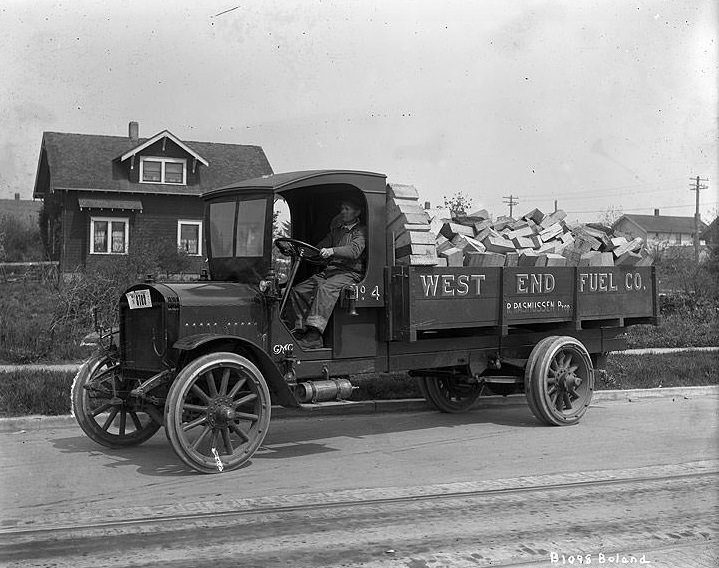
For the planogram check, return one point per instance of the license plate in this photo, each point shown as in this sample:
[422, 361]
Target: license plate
[139, 299]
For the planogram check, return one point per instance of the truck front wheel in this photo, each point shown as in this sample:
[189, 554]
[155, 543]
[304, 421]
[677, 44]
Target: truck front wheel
[104, 408]
[559, 380]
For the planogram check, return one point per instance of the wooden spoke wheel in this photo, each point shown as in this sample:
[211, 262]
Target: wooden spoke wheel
[217, 412]
[449, 394]
[559, 381]
[103, 407]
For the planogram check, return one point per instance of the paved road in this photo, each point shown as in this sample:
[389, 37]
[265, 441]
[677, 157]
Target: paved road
[418, 489]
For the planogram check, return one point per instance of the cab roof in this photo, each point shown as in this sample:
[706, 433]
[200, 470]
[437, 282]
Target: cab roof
[368, 182]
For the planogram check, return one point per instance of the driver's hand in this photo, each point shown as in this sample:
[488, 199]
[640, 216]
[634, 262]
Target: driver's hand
[326, 252]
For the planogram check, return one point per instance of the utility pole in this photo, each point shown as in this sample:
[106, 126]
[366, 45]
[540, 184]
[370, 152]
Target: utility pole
[511, 200]
[697, 186]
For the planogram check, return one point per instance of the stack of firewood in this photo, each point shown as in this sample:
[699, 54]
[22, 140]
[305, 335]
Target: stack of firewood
[408, 223]
[438, 238]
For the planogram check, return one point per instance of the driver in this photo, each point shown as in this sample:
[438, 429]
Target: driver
[313, 300]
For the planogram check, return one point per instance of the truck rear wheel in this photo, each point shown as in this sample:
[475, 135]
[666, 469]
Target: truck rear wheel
[559, 380]
[449, 394]
[217, 412]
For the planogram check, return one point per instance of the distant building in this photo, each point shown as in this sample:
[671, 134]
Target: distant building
[104, 194]
[711, 234]
[660, 230]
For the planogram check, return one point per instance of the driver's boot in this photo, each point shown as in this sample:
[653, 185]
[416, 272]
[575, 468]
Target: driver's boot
[312, 339]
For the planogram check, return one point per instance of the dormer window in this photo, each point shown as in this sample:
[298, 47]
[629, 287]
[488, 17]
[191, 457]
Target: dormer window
[163, 170]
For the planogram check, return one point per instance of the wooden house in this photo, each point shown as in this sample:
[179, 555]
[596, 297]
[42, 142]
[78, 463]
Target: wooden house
[105, 196]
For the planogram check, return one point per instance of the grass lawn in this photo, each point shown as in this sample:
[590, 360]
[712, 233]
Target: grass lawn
[26, 331]
[48, 393]
[35, 392]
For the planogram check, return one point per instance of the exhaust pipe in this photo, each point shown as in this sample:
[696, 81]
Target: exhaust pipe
[322, 391]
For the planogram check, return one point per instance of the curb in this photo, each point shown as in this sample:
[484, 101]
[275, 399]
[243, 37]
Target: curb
[663, 350]
[349, 408]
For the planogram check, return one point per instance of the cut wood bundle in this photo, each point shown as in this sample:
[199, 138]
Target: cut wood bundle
[551, 232]
[408, 224]
[535, 215]
[498, 244]
[473, 258]
[449, 230]
[454, 256]
[415, 235]
[535, 239]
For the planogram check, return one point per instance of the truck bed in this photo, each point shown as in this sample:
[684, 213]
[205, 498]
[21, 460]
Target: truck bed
[427, 298]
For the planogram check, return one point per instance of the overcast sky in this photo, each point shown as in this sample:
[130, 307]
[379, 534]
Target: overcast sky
[595, 103]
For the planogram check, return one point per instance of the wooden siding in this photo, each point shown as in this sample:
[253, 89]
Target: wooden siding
[157, 222]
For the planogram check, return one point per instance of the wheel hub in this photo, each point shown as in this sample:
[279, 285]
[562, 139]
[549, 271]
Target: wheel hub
[220, 412]
[570, 382]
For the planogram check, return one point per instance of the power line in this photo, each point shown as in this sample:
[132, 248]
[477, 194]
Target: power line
[511, 200]
[581, 194]
[622, 188]
[640, 208]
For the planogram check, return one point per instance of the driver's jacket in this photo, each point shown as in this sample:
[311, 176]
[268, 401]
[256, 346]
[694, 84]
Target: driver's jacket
[348, 243]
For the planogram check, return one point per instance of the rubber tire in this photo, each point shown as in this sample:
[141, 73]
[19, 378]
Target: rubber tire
[536, 374]
[174, 411]
[529, 387]
[81, 409]
[435, 395]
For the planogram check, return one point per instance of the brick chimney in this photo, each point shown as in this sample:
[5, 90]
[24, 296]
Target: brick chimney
[656, 212]
[17, 197]
[134, 131]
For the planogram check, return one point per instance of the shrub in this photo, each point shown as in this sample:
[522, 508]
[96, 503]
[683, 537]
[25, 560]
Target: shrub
[19, 241]
[678, 274]
[95, 292]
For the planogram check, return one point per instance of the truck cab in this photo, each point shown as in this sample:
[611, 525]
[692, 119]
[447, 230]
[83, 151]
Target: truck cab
[239, 236]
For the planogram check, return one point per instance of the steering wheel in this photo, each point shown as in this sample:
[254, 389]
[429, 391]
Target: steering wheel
[299, 249]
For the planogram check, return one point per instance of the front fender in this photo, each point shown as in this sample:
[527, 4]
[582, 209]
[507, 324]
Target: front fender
[104, 338]
[279, 389]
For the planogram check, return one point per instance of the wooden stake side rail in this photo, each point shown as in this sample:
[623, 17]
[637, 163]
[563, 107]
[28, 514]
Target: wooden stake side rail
[429, 298]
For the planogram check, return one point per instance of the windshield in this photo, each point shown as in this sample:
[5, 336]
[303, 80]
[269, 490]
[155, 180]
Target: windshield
[237, 229]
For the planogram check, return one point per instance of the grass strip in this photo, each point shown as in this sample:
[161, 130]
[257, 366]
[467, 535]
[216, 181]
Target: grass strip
[48, 392]
[685, 369]
[35, 392]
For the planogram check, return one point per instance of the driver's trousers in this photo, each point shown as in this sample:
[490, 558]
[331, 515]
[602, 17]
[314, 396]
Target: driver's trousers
[311, 302]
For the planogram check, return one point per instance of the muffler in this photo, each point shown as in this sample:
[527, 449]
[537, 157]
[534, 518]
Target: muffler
[323, 391]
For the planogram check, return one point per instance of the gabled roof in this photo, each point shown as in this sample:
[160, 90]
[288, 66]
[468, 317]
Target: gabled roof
[164, 134]
[662, 223]
[89, 162]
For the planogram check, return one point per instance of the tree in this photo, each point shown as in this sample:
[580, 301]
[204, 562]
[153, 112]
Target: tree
[611, 215]
[458, 204]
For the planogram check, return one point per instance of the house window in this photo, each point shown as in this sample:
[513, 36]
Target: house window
[678, 238]
[163, 170]
[109, 235]
[189, 237]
